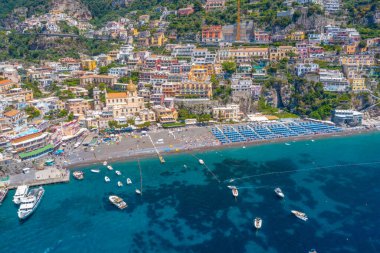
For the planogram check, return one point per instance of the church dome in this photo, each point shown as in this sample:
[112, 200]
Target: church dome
[131, 87]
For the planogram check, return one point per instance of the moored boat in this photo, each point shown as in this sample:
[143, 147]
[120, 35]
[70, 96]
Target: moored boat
[279, 192]
[107, 179]
[78, 175]
[30, 203]
[129, 181]
[3, 194]
[235, 192]
[257, 222]
[231, 187]
[117, 201]
[300, 215]
[120, 184]
[109, 167]
[21, 192]
[201, 162]
[118, 173]
[138, 192]
[312, 251]
[105, 163]
[95, 171]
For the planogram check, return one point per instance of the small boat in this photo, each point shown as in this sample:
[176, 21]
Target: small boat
[120, 184]
[3, 194]
[30, 203]
[107, 179]
[109, 167]
[138, 192]
[243, 146]
[300, 215]
[258, 222]
[21, 192]
[185, 166]
[312, 251]
[118, 173]
[201, 162]
[129, 181]
[105, 163]
[231, 180]
[287, 144]
[117, 201]
[279, 192]
[95, 171]
[78, 175]
[235, 192]
[231, 187]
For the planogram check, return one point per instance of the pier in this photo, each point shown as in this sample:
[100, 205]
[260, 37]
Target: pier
[162, 160]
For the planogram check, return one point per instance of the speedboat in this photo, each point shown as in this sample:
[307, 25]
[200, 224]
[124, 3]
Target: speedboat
[107, 179]
[3, 194]
[117, 201]
[78, 175]
[300, 215]
[118, 173]
[120, 184]
[258, 222]
[235, 192]
[105, 163]
[30, 203]
[138, 192]
[95, 171]
[21, 192]
[129, 181]
[109, 167]
[279, 192]
[201, 162]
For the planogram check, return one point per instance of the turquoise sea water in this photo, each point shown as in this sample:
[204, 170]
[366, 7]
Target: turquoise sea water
[189, 210]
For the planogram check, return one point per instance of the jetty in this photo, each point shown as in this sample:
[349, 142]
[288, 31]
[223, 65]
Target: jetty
[162, 160]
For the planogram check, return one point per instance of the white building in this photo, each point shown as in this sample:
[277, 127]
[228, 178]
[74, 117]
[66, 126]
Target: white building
[303, 68]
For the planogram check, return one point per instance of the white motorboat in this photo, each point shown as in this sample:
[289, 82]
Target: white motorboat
[201, 162]
[312, 251]
[30, 203]
[120, 184]
[118, 173]
[300, 215]
[138, 192]
[129, 181]
[105, 163]
[258, 222]
[117, 201]
[279, 192]
[78, 175]
[107, 179]
[21, 192]
[235, 192]
[95, 171]
[109, 167]
[3, 194]
[231, 187]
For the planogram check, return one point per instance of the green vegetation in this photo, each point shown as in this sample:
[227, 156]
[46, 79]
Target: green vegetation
[32, 112]
[175, 124]
[34, 7]
[37, 93]
[65, 28]
[184, 114]
[229, 67]
[71, 82]
[56, 114]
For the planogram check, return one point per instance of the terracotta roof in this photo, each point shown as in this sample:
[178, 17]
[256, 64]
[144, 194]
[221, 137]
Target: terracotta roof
[26, 137]
[96, 76]
[11, 113]
[117, 95]
[5, 82]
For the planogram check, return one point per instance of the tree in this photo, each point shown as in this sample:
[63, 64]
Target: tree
[70, 117]
[113, 124]
[32, 112]
[229, 67]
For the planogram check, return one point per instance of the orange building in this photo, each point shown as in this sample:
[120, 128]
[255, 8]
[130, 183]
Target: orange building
[212, 34]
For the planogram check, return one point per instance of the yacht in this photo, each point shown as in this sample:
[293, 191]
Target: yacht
[279, 192]
[3, 194]
[118, 202]
[21, 191]
[30, 203]
[129, 181]
[105, 163]
[300, 215]
[235, 192]
[120, 184]
[201, 162]
[138, 192]
[118, 173]
[107, 179]
[109, 167]
[258, 222]
[78, 175]
[95, 171]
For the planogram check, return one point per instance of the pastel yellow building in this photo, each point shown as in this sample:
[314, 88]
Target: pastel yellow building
[88, 65]
[358, 60]
[358, 84]
[296, 36]
[158, 39]
[350, 49]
